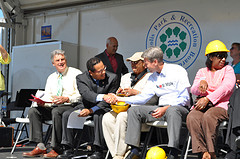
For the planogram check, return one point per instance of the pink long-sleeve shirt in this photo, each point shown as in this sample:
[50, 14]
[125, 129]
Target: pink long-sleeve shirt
[220, 85]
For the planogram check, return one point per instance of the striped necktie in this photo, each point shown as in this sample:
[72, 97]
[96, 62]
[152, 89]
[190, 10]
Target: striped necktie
[59, 88]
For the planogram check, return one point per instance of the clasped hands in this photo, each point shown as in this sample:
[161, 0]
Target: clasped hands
[110, 98]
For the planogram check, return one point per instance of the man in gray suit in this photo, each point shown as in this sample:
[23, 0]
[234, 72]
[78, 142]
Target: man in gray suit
[92, 85]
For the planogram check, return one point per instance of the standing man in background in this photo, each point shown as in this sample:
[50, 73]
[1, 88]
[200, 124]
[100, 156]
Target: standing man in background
[112, 60]
[4, 59]
[235, 54]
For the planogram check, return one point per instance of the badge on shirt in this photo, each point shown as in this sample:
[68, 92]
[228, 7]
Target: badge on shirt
[167, 84]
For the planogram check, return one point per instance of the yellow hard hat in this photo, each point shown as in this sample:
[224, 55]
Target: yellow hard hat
[156, 153]
[119, 107]
[215, 46]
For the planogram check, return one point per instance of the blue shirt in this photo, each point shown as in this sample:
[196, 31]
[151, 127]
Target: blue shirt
[237, 68]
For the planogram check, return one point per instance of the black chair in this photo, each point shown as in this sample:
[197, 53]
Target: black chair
[156, 125]
[24, 120]
[20, 104]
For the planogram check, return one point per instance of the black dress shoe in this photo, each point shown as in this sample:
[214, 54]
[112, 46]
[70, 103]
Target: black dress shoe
[132, 155]
[67, 154]
[171, 157]
[96, 155]
[231, 155]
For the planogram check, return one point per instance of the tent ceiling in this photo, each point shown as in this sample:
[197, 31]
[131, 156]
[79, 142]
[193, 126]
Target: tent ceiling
[22, 8]
[30, 6]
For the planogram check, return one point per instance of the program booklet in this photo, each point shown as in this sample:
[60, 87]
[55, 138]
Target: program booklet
[38, 100]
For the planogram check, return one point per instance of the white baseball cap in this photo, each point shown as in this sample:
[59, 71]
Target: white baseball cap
[135, 57]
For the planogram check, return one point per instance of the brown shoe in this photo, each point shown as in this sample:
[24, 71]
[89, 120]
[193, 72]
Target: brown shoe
[51, 154]
[35, 152]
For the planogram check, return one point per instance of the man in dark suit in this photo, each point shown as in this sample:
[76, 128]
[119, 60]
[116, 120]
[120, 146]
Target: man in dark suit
[93, 85]
[112, 60]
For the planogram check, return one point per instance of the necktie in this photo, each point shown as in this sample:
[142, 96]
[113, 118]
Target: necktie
[59, 92]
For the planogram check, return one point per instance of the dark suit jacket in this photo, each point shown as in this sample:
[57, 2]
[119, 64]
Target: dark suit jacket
[233, 130]
[122, 68]
[89, 89]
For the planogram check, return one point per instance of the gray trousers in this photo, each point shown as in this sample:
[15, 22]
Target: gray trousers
[67, 137]
[38, 115]
[137, 115]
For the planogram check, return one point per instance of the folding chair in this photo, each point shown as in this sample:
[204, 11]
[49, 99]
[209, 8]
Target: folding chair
[88, 123]
[158, 124]
[163, 124]
[223, 126]
[22, 101]
[25, 120]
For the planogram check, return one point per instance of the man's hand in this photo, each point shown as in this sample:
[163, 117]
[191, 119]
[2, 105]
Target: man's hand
[85, 112]
[110, 98]
[60, 100]
[159, 112]
[203, 86]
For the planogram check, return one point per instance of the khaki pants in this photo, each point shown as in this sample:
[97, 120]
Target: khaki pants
[203, 127]
[114, 130]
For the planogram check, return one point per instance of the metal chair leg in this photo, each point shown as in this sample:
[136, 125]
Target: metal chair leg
[19, 135]
[48, 134]
[146, 142]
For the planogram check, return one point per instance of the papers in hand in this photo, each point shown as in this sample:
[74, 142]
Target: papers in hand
[38, 100]
[76, 122]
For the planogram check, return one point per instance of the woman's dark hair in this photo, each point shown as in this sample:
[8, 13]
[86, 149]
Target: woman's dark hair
[208, 62]
[92, 62]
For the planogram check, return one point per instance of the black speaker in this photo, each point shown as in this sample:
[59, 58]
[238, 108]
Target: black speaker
[6, 136]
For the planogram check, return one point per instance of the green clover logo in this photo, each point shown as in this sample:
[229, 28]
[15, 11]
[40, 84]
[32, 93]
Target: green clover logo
[179, 42]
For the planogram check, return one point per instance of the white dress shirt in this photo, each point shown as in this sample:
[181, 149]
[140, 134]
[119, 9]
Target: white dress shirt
[68, 82]
[171, 86]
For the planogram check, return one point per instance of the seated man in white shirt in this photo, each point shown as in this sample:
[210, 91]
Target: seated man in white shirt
[61, 89]
[170, 83]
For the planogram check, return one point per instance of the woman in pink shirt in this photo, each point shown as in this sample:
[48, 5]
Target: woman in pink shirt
[213, 85]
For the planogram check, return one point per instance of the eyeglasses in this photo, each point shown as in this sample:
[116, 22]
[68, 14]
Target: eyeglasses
[221, 55]
[102, 70]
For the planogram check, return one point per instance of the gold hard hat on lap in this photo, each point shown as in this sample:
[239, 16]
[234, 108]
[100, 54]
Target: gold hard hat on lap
[120, 107]
[156, 153]
[215, 46]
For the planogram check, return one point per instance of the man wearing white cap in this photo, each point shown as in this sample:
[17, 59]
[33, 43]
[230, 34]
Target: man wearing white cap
[114, 125]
